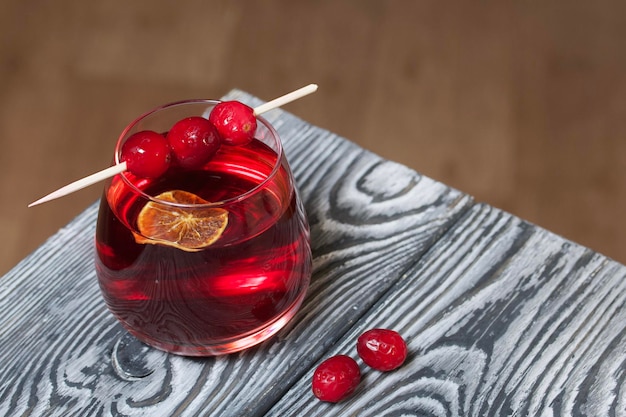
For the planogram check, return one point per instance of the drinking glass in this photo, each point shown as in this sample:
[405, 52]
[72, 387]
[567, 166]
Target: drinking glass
[252, 273]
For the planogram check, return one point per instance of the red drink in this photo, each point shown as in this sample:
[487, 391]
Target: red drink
[227, 296]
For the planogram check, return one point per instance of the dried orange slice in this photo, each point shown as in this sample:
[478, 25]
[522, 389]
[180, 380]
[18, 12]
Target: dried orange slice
[186, 228]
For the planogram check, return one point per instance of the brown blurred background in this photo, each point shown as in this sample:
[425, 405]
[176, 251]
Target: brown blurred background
[521, 104]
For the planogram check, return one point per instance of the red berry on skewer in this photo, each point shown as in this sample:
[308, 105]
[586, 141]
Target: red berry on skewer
[336, 378]
[235, 122]
[193, 140]
[147, 154]
[134, 158]
[382, 349]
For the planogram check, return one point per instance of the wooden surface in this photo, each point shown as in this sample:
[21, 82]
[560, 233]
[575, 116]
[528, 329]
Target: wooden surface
[501, 317]
[519, 104]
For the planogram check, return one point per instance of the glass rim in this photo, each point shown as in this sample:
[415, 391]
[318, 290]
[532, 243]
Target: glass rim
[210, 102]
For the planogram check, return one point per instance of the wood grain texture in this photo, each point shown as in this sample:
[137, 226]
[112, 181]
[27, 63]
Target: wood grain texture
[502, 319]
[371, 220]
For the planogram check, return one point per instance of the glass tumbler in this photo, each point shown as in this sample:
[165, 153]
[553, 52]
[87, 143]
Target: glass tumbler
[248, 269]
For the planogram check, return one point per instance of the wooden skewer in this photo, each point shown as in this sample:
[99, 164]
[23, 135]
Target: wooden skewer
[121, 167]
[82, 183]
[287, 98]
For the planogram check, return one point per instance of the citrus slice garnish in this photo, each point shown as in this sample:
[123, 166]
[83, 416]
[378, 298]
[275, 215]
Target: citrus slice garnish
[187, 228]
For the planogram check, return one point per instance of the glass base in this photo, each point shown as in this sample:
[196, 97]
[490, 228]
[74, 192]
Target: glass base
[224, 347]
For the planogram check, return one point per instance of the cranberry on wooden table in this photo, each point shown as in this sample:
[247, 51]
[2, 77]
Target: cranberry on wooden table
[382, 349]
[336, 378]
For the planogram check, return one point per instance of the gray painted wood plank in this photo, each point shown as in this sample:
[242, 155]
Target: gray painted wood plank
[501, 318]
[63, 354]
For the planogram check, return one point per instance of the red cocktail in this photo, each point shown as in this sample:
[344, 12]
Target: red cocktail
[243, 267]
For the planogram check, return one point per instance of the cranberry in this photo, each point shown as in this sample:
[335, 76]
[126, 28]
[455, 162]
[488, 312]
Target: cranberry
[193, 141]
[234, 121]
[336, 378]
[382, 349]
[147, 154]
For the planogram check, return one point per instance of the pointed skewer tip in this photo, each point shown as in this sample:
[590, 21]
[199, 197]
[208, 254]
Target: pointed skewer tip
[82, 183]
